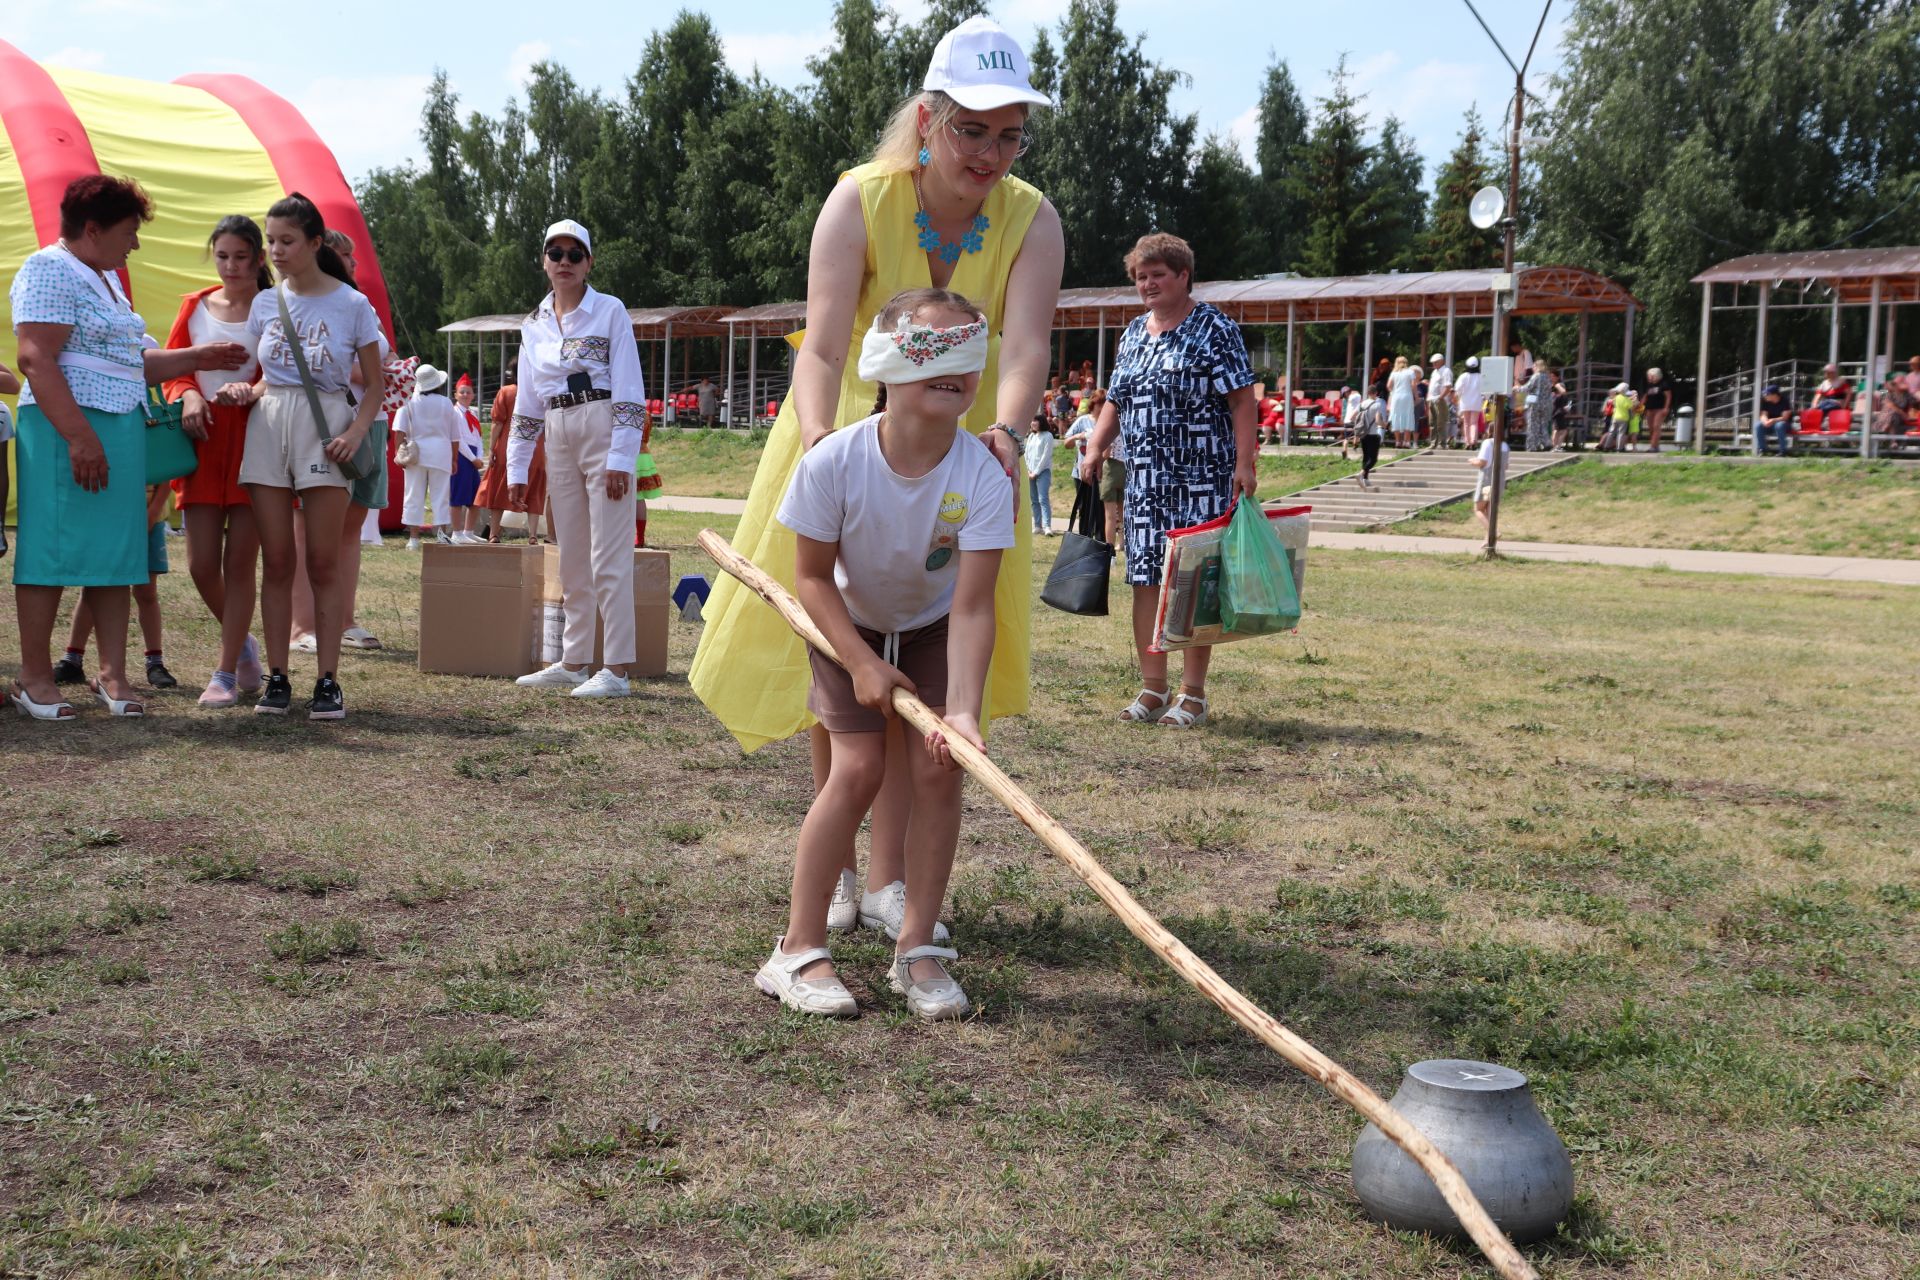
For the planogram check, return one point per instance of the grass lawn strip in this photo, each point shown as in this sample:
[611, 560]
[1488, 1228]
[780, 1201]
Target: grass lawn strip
[462, 986]
[1796, 507]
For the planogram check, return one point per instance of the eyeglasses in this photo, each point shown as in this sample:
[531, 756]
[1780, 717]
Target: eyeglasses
[971, 140]
[574, 256]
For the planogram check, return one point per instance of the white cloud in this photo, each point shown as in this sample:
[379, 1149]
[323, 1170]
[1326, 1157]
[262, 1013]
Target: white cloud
[520, 62]
[367, 121]
[77, 59]
[1243, 129]
[780, 56]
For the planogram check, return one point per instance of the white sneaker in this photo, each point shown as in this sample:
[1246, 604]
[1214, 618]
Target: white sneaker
[466, 539]
[554, 677]
[887, 910]
[822, 997]
[605, 684]
[413, 544]
[935, 998]
[843, 911]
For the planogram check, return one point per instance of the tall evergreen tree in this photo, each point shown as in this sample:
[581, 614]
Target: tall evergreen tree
[1218, 214]
[1393, 183]
[1451, 242]
[1113, 157]
[1276, 149]
[1330, 181]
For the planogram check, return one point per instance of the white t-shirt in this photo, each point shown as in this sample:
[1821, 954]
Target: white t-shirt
[434, 423]
[1468, 389]
[332, 327]
[899, 537]
[1484, 481]
[1039, 452]
[1438, 381]
[203, 327]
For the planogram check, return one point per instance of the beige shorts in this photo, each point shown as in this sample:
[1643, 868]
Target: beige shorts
[284, 449]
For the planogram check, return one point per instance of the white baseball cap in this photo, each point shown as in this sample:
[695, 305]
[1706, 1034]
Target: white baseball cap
[981, 67]
[1437, 359]
[1473, 362]
[568, 227]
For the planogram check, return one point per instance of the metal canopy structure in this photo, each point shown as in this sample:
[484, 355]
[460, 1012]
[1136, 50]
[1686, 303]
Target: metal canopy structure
[772, 320]
[1879, 279]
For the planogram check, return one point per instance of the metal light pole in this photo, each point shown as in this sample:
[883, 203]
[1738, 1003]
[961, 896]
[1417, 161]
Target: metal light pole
[1503, 299]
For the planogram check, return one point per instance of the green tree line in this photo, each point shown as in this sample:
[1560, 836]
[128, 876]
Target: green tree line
[1681, 132]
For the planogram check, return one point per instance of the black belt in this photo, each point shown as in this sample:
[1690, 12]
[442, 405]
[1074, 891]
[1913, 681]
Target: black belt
[573, 398]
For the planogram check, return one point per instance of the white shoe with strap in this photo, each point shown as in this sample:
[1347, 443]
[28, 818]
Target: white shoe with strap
[1139, 712]
[887, 910]
[825, 997]
[1189, 711]
[934, 999]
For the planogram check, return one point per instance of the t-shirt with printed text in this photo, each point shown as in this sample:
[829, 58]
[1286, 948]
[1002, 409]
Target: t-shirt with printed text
[332, 327]
[900, 537]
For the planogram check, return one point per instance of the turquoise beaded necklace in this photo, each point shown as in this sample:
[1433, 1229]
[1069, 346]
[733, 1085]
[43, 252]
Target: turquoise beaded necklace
[932, 242]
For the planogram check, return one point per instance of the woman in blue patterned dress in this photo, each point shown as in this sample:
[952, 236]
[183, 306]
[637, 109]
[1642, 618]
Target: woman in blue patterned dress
[1181, 401]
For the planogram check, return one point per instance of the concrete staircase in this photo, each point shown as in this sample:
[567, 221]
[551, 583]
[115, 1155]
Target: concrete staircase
[1411, 484]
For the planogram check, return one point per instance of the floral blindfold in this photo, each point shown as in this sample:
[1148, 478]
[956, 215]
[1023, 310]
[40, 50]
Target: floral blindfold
[918, 352]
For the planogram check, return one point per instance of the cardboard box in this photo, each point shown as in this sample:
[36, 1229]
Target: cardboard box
[652, 601]
[480, 609]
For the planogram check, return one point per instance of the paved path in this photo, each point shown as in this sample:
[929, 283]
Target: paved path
[1831, 568]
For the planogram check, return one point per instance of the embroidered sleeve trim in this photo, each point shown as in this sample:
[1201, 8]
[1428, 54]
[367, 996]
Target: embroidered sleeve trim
[628, 414]
[525, 428]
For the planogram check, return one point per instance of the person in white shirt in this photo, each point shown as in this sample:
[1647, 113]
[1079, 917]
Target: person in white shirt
[434, 424]
[580, 387]
[288, 453]
[1440, 426]
[1483, 479]
[1038, 451]
[900, 522]
[1471, 400]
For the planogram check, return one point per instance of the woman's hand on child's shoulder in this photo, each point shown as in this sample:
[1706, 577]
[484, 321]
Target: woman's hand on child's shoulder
[874, 683]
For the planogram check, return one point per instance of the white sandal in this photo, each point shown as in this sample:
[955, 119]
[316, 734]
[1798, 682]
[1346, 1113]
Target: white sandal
[126, 708]
[1177, 715]
[937, 998]
[823, 997]
[58, 709]
[1140, 713]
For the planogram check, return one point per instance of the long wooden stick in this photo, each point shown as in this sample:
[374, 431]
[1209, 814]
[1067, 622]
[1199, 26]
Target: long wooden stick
[1141, 923]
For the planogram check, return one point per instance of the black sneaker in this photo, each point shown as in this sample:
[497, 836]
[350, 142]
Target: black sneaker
[67, 671]
[158, 676]
[276, 698]
[328, 702]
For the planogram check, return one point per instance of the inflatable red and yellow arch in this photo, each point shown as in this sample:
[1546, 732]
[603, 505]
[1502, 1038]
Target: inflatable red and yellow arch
[203, 147]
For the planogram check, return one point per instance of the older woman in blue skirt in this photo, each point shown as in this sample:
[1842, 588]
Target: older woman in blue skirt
[1181, 401]
[82, 445]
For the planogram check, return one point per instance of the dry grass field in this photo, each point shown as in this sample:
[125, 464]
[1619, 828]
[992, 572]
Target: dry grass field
[461, 987]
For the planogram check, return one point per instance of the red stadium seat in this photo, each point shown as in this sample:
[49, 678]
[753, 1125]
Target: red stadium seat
[1839, 422]
[773, 408]
[1809, 422]
[654, 407]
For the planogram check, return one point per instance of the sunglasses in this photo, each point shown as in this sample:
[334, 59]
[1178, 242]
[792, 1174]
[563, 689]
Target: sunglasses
[574, 256]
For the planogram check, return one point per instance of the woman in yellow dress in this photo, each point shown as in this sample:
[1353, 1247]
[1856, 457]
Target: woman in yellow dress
[936, 205]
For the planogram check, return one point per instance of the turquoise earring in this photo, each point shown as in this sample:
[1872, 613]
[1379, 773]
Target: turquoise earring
[925, 158]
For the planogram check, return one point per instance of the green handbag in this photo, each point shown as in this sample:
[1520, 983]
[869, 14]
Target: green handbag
[170, 451]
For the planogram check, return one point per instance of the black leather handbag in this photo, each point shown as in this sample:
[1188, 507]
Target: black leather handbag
[1078, 581]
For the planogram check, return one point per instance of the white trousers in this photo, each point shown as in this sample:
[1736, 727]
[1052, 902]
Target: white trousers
[595, 535]
[424, 483]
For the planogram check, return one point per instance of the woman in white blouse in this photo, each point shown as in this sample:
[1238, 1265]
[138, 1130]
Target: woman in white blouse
[433, 423]
[580, 387]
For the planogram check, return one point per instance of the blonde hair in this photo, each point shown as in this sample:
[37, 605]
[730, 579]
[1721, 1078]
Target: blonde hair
[900, 142]
[1170, 251]
[339, 241]
[1399, 363]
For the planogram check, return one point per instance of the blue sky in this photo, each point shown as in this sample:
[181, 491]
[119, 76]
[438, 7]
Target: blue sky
[359, 72]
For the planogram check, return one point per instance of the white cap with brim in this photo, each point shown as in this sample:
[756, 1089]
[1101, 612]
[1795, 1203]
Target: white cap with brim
[568, 227]
[981, 67]
[1437, 359]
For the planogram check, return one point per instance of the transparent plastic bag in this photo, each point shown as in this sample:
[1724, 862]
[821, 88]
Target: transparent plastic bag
[1257, 593]
[1189, 613]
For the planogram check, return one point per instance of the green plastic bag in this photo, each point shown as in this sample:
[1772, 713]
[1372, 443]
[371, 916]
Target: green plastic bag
[1257, 592]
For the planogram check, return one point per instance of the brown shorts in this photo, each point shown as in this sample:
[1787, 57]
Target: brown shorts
[922, 659]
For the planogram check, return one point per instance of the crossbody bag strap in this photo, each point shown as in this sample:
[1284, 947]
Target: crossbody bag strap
[292, 337]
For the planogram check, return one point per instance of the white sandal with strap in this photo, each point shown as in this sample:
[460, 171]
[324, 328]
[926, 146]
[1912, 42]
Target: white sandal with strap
[126, 708]
[58, 709]
[823, 997]
[935, 998]
[1178, 716]
[1138, 712]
